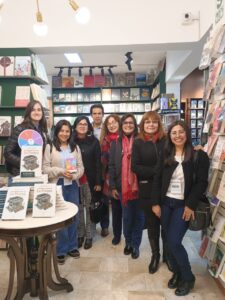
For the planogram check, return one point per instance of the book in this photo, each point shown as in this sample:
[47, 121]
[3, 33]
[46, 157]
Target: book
[16, 202]
[56, 81]
[39, 94]
[44, 200]
[79, 81]
[194, 103]
[5, 125]
[108, 80]
[18, 120]
[147, 107]
[193, 124]
[216, 159]
[125, 94]
[173, 103]
[68, 82]
[99, 80]
[211, 143]
[71, 165]
[120, 79]
[22, 66]
[89, 81]
[214, 73]
[140, 79]
[106, 94]
[218, 226]
[134, 94]
[31, 161]
[216, 264]
[221, 191]
[203, 247]
[144, 94]
[0, 95]
[7, 65]
[164, 103]
[22, 97]
[115, 94]
[130, 79]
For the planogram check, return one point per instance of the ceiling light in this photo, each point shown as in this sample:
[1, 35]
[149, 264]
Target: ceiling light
[129, 60]
[80, 72]
[82, 14]
[69, 71]
[39, 28]
[73, 58]
[60, 72]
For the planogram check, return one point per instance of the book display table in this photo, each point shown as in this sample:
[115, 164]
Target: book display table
[34, 266]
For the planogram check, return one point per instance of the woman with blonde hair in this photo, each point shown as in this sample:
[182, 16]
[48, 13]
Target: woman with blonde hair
[145, 155]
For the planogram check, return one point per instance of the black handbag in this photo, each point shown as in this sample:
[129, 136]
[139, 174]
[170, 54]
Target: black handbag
[98, 208]
[202, 215]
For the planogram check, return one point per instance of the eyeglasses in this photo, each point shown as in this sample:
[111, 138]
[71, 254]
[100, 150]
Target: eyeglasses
[147, 122]
[82, 124]
[128, 123]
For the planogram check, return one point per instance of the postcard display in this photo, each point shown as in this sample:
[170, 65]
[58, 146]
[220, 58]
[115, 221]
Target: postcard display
[213, 243]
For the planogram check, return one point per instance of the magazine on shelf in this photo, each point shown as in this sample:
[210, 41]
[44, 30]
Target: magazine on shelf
[106, 94]
[144, 94]
[217, 227]
[134, 94]
[216, 159]
[221, 191]
[68, 82]
[216, 264]
[31, 161]
[140, 79]
[44, 202]
[16, 202]
[130, 78]
[18, 120]
[39, 94]
[0, 95]
[22, 97]
[56, 81]
[89, 81]
[125, 94]
[99, 80]
[79, 81]
[164, 103]
[5, 126]
[115, 94]
[7, 65]
[120, 79]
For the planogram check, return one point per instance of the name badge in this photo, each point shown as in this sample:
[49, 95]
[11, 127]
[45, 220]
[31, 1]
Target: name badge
[176, 187]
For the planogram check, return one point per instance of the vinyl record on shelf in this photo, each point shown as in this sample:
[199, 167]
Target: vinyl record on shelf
[30, 137]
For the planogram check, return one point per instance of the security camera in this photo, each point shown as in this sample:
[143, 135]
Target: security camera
[187, 18]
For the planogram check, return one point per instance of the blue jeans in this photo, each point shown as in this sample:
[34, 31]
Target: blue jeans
[67, 237]
[175, 228]
[133, 223]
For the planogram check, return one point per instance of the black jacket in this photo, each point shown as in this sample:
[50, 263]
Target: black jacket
[145, 155]
[91, 156]
[115, 164]
[12, 150]
[192, 190]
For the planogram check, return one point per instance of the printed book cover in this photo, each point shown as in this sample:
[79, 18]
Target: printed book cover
[56, 81]
[140, 79]
[22, 66]
[7, 65]
[68, 82]
[115, 94]
[5, 125]
[31, 161]
[125, 94]
[44, 200]
[130, 79]
[89, 81]
[22, 97]
[106, 94]
[215, 266]
[145, 94]
[16, 202]
[71, 165]
[135, 94]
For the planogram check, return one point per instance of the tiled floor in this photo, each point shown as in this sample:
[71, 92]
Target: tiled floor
[104, 273]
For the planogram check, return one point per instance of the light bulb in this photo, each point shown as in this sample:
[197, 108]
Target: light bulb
[82, 15]
[40, 29]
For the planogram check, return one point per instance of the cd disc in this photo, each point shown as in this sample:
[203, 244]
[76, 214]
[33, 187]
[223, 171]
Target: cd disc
[30, 137]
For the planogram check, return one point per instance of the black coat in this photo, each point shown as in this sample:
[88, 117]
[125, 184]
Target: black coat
[192, 190]
[115, 164]
[145, 155]
[12, 150]
[91, 156]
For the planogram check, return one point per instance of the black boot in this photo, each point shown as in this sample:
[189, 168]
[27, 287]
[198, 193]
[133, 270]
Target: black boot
[174, 281]
[154, 264]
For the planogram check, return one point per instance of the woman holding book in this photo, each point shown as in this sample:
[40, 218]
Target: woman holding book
[124, 185]
[90, 182]
[175, 195]
[110, 132]
[63, 164]
[146, 151]
[34, 118]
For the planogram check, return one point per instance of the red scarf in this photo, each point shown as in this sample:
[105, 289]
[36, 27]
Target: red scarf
[153, 138]
[129, 179]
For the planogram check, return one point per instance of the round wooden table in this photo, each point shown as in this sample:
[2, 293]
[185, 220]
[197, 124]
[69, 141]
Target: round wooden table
[34, 266]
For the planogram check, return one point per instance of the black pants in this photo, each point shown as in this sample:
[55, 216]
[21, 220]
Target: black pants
[152, 222]
[116, 217]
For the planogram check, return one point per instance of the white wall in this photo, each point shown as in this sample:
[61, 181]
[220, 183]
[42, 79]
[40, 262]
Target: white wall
[113, 22]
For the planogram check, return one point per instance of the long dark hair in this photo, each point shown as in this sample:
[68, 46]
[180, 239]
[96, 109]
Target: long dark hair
[126, 116]
[56, 141]
[27, 119]
[170, 149]
[90, 132]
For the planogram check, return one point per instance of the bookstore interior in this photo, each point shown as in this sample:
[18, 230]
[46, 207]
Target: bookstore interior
[130, 84]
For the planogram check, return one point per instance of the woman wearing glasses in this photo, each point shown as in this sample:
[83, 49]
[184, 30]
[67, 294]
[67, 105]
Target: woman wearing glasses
[90, 182]
[175, 197]
[145, 155]
[124, 186]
